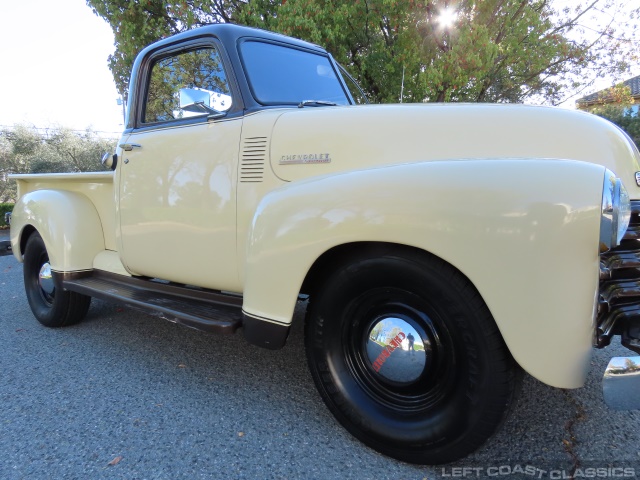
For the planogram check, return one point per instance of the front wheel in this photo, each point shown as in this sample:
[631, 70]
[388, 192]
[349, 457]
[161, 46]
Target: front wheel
[406, 355]
[50, 304]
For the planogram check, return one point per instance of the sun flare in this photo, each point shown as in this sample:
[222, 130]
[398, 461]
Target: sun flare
[447, 17]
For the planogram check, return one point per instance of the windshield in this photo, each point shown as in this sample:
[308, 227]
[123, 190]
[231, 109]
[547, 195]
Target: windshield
[279, 74]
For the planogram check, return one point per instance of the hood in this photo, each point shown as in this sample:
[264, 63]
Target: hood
[317, 141]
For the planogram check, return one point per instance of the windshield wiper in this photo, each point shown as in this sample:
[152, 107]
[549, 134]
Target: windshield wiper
[316, 103]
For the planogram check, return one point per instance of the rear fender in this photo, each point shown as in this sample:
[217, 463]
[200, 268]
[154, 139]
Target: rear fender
[68, 223]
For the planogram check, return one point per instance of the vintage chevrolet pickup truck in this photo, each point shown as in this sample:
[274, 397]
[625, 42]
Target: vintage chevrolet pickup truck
[442, 249]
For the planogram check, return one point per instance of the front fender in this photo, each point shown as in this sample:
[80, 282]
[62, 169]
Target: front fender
[524, 232]
[68, 223]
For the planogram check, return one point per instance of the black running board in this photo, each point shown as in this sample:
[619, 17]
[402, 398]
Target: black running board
[206, 310]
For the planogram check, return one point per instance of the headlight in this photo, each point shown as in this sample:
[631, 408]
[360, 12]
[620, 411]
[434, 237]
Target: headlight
[616, 212]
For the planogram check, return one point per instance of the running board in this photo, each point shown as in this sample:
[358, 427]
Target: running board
[201, 309]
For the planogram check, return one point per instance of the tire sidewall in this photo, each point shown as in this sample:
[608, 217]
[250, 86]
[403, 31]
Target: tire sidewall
[46, 313]
[427, 435]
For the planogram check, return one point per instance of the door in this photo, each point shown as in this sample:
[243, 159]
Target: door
[177, 190]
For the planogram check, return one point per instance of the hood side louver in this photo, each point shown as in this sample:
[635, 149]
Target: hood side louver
[254, 154]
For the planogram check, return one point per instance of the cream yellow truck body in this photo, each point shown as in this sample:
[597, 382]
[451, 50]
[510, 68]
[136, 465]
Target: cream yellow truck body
[262, 201]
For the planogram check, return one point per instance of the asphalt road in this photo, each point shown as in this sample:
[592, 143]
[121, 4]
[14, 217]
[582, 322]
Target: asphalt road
[125, 395]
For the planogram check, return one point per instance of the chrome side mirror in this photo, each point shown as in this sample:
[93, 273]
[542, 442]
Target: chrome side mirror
[195, 101]
[199, 101]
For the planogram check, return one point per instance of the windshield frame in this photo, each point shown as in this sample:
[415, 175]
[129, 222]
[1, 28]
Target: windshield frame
[267, 103]
[346, 77]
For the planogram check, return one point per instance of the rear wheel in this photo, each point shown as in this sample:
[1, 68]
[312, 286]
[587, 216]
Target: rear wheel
[50, 304]
[406, 355]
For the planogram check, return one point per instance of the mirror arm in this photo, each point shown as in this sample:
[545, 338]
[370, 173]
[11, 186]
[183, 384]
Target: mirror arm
[216, 115]
[213, 113]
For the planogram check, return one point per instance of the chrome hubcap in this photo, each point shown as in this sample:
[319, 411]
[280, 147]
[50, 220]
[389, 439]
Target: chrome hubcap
[45, 279]
[396, 351]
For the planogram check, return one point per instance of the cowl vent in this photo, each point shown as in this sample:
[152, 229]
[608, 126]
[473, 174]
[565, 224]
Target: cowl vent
[254, 153]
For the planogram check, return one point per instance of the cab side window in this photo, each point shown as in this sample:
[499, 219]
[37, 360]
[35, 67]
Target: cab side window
[188, 84]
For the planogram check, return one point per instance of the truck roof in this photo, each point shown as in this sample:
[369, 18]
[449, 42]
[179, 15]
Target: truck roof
[229, 32]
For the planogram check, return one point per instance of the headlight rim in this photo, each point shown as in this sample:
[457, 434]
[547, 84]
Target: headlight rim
[615, 213]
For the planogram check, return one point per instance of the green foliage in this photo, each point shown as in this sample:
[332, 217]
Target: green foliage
[617, 105]
[617, 96]
[137, 23]
[4, 208]
[497, 51]
[24, 150]
[492, 51]
[625, 117]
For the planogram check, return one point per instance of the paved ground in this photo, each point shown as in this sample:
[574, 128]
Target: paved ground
[172, 403]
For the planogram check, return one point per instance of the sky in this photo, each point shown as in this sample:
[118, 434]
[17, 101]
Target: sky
[55, 69]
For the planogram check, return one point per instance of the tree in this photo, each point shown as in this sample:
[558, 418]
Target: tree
[18, 148]
[617, 105]
[517, 50]
[24, 150]
[626, 119]
[431, 50]
[137, 23]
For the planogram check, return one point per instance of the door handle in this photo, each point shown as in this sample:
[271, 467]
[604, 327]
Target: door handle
[127, 147]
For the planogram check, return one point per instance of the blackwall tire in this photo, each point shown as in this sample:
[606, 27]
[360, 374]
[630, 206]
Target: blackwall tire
[464, 382]
[50, 304]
